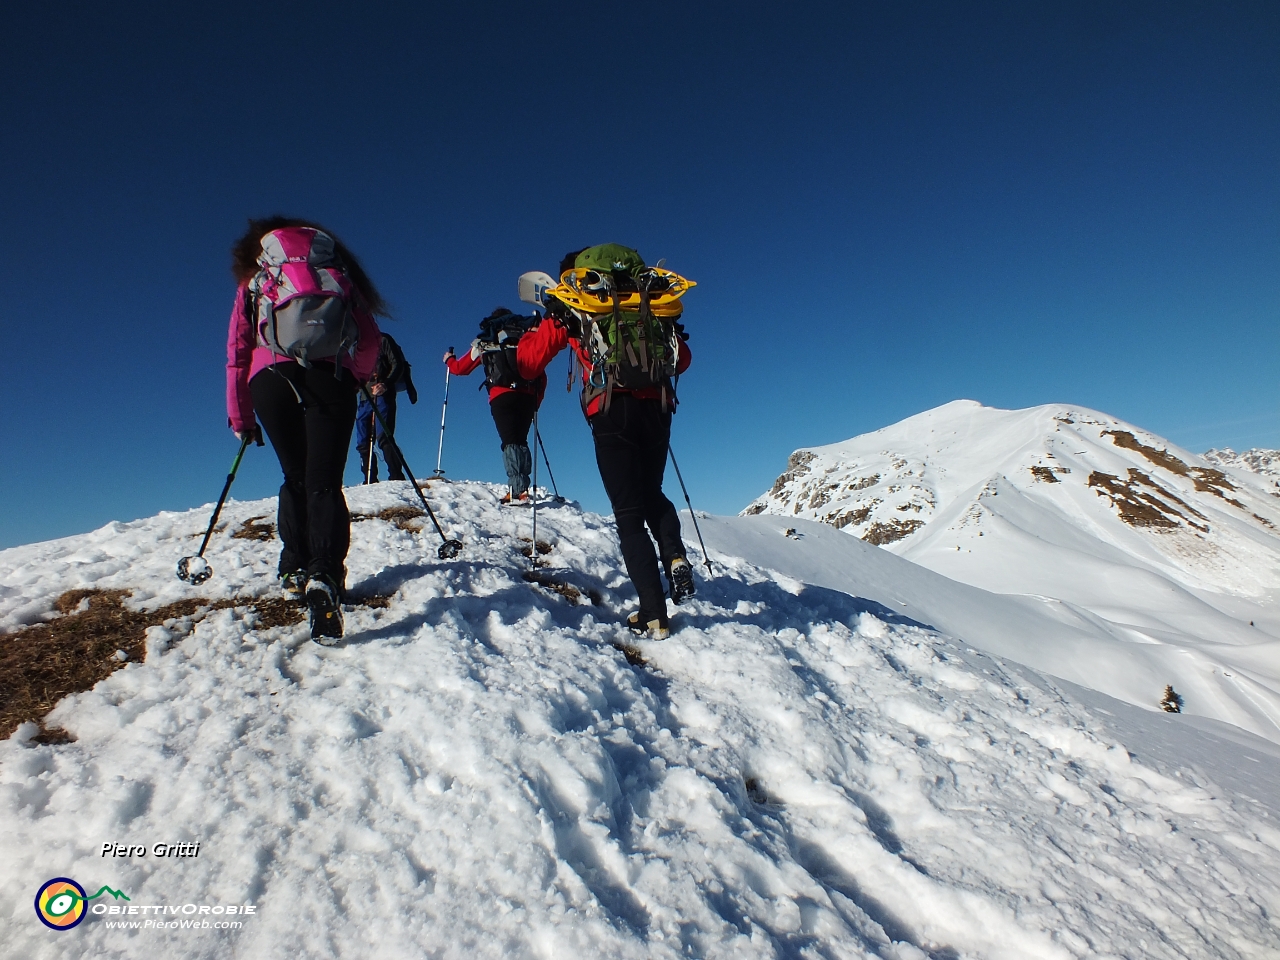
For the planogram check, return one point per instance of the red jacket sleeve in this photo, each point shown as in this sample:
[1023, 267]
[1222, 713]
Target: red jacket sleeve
[463, 365]
[539, 346]
[240, 344]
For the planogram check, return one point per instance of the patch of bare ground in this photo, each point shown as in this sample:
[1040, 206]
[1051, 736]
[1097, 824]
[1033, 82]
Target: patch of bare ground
[1044, 475]
[1264, 521]
[1161, 458]
[251, 529]
[882, 533]
[543, 547]
[797, 465]
[758, 794]
[755, 508]
[402, 517]
[1206, 479]
[41, 664]
[566, 590]
[1137, 476]
[633, 654]
[1135, 507]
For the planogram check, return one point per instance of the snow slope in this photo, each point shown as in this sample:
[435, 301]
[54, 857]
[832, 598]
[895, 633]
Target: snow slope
[1097, 519]
[800, 770]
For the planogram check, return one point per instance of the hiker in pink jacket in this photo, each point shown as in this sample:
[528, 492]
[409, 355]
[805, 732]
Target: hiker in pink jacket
[297, 369]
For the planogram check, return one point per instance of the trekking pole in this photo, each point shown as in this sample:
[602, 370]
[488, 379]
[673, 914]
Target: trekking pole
[705, 558]
[538, 436]
[368, 469]
[196, 569]
[533, 551]
[448, 548]
[444, 409]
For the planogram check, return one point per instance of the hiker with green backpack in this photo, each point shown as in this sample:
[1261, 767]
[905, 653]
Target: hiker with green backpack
[622, 320]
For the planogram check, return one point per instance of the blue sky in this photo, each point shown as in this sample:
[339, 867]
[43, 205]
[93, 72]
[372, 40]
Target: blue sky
[887, 206]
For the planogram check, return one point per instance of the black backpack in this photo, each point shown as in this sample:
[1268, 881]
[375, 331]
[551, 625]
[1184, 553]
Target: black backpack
[394, 370]
[500, 332]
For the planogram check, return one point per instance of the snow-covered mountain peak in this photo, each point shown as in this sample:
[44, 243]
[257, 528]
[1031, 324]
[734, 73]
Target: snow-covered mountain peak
[1065, 473]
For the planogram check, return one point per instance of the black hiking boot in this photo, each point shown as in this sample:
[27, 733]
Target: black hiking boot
[681, 579]
[325, 606]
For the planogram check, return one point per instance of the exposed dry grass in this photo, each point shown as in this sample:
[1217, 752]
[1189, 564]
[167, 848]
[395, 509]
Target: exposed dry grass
[41, 664]
[1135, 507]
[566, 590]
[633, 654]
[543, 547]
[1161, 458]
[1206, 479]
[251, 529]
[1137, 476]
[402, 517]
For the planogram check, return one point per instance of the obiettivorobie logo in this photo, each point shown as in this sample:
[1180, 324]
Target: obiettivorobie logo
[60, 902]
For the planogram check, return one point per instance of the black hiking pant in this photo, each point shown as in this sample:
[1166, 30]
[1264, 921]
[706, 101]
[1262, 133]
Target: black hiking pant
[631, 440]
[308, 415]
[513, 415]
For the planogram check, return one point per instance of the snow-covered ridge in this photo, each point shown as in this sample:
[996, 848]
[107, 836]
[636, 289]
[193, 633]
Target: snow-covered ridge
[477, 771]
[887, 486]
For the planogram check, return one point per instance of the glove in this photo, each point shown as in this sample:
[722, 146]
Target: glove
[448, 355]
[254, 433]
[567, 319]
[679, 328]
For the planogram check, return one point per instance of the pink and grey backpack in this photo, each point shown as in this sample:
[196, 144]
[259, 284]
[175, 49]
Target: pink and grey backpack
[302, 298]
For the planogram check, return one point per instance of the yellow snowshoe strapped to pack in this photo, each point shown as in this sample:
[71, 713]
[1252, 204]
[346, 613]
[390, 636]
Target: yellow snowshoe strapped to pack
[585, 289]
[627, 313]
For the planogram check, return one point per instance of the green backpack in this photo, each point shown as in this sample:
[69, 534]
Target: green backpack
[630, 348]
[611, 258]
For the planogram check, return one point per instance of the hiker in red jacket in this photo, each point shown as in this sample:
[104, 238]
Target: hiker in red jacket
[631, 430]
[513, 399]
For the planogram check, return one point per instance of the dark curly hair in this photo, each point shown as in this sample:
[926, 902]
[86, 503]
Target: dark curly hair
[244, 258]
